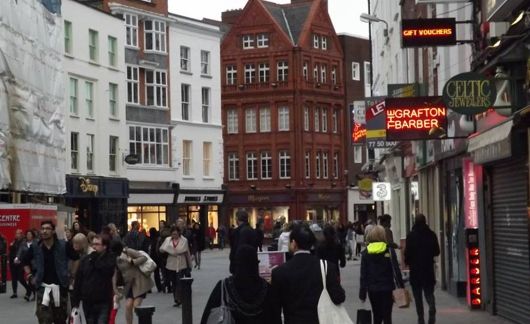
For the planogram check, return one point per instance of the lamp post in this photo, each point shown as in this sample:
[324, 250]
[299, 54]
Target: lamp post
[371, 18]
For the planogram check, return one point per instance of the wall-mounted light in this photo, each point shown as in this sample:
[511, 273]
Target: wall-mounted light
[253, 187]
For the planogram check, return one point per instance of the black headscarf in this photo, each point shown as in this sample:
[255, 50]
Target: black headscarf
[247, 291]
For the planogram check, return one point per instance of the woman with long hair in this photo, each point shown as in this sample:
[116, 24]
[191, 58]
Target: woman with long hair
[178, 262]
[331, 249]
[379, 271]
[245, 293]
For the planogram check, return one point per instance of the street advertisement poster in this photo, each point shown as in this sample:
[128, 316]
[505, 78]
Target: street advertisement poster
[268, 261]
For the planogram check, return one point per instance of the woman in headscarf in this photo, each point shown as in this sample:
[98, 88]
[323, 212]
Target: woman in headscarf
[246, 293]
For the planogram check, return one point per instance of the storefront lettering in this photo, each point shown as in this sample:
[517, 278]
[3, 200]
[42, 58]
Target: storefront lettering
[324, 197]
[211, 198]
[192, 198]
[86, 186]
[253, 198]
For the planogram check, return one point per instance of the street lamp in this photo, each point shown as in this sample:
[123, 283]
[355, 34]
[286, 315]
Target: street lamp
[371, 18]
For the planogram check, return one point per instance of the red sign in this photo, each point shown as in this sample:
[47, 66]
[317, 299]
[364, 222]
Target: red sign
[358, 134]
[418, 118]
[472, 175]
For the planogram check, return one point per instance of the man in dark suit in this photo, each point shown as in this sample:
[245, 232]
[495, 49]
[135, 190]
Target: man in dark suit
[297, 284]
[243, 234]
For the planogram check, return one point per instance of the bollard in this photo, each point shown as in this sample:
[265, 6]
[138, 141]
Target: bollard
[145, 314]
[185, 289]
[3, 273]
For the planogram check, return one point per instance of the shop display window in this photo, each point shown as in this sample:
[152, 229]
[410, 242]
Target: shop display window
[147, 216]
[268, 216]
[322, 215]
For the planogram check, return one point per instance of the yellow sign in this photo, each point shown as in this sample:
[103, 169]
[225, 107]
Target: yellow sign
[86, 186]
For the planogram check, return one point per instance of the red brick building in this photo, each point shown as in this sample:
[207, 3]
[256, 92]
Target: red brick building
[284, 117]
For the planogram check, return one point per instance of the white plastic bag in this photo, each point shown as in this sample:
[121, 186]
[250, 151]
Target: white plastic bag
[77, 316]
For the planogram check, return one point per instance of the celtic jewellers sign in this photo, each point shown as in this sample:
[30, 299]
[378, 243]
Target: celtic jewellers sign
[469, 93]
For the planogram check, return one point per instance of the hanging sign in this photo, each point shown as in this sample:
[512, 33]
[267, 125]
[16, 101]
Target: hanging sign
[375, 124]
[469, 93]
[358, 131]
[472, 174]
[381, 191]
[428, 32]
[417, 118]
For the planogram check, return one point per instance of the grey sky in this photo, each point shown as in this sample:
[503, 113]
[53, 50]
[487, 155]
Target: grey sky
[344, 13]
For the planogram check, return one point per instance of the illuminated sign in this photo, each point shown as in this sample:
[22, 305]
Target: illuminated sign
[472, 175]
[469, 93]
[428, 32]
[358, 132]
[417, 118]
[375, 124]
[474, 296]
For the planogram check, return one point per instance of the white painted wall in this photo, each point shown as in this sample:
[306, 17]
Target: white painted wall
[77, 65]
[197, 36]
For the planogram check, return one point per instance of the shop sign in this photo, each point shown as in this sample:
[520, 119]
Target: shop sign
[132, 159]
[472, 176]
[403, 90]
[375, 124]
[501, 10]
[381, 191]
[199, 198]
[358, 135]
[417, 118]
[428, 32]
[469, 93]
[365, 188]
[86, 186]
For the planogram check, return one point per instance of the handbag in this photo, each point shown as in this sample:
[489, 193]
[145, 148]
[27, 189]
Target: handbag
[400, 294]
[221, 314]
[328, 312]
[364, 316]
[77, 316]
[149, 266]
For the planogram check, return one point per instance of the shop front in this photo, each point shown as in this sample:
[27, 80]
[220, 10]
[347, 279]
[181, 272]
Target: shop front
[324, 207]
[98, 201]
[150, 206]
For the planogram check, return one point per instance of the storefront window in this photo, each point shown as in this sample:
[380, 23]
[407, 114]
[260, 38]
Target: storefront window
[322, 215]
[266, 216]
[147, 216]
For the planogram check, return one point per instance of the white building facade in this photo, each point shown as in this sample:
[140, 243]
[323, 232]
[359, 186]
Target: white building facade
[197, 141]
[95, 124]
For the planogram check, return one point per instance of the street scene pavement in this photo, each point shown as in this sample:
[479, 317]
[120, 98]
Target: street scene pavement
[215, 267]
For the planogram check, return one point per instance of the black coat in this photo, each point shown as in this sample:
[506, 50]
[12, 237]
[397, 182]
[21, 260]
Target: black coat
[421, 248]
[332, 253]
[243, 234]
[297, 286]
[93, 279]
[248, 295]
[378, 271]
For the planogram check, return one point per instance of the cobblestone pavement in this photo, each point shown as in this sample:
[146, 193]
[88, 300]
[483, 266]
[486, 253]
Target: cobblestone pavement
[215, 267]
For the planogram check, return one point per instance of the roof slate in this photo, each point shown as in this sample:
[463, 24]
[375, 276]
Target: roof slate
[291, 18]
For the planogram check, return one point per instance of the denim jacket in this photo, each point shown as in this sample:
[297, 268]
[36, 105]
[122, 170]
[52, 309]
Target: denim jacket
[61, 262]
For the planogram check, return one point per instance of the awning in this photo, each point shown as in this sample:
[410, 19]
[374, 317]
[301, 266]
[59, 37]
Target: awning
[493, 144]
[151, 198]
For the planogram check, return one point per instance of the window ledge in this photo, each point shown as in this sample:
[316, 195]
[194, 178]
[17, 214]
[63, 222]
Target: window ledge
[91, 119]
[95, 63]
[188, 178]
[69, 55]
[132, 47]
[208, 178]
[74, 116]
[154, 52]
[151, 167]
[116, 119]
[185, 72]
[113, 68]
[206, 76]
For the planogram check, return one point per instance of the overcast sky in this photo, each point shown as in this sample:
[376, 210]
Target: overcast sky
[344, 13]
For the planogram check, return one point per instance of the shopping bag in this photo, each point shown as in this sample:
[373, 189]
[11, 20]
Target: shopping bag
[401, 297]
[149, 266]
[221, 314]
[364, 316]
[77, 316]
[328, 312]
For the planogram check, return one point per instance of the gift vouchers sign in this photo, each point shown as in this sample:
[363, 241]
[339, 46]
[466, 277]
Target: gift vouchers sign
[428, 32]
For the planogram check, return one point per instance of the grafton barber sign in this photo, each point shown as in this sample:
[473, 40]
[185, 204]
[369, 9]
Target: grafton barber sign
[416, 118]
[428, 32]
[469, 93]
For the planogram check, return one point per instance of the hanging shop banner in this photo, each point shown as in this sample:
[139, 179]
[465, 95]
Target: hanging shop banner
[358, 131]
[381, 191]
[469, 93]
[472, 178]
[419, 118]
[428, 32]
[365, 188]
[375, 124]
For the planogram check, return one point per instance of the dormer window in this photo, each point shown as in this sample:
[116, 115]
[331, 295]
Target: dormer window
[316, 41]
[263, 40]
[324, 43]
[248, 41]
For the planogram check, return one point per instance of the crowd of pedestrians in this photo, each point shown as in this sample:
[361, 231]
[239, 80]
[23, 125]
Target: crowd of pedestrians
[98, 272]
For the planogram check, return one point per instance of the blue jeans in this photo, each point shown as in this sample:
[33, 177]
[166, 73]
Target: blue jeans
[97, 313]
